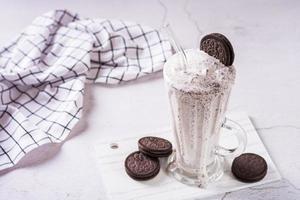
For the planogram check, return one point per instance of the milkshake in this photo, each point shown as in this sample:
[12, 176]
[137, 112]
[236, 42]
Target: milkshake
[198, 93]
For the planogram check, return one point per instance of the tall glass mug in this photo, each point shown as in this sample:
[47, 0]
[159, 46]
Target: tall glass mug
[198, 94]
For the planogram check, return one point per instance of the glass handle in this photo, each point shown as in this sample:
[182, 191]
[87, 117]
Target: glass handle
[241, 136]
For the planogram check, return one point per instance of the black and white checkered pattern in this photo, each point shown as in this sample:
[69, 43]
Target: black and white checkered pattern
[43, 71]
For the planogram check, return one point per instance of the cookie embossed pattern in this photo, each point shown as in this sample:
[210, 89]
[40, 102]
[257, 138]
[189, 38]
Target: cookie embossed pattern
[145, 164]
[155, 146]
[249, 167]
[218, 46]
[141, 167]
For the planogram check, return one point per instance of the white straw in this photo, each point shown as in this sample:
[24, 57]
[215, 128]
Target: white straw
[177, 47]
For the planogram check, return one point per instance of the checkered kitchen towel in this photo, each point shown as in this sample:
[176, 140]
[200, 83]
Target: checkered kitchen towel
[43, 72]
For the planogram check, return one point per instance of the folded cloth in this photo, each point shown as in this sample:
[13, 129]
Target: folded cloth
[43, 72]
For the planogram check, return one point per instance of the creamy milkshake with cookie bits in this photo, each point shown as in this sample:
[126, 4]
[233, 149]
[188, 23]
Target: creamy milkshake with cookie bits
[198, 91]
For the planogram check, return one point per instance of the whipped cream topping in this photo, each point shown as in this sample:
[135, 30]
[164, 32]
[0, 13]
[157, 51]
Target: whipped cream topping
[203, 73]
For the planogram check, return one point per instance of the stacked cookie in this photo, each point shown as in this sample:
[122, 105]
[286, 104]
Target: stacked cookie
[144, 164]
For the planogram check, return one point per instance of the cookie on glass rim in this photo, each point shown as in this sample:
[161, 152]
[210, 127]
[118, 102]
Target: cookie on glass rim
[218, 46]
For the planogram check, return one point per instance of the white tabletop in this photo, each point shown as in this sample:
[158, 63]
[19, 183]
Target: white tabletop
[266, 39]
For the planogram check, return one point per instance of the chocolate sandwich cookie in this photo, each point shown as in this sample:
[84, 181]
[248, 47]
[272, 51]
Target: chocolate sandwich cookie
[218, 46]
[249, 167]
[141, 167]
[155, 146]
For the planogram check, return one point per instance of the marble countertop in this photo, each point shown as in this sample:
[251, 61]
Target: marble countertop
[266, 39]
